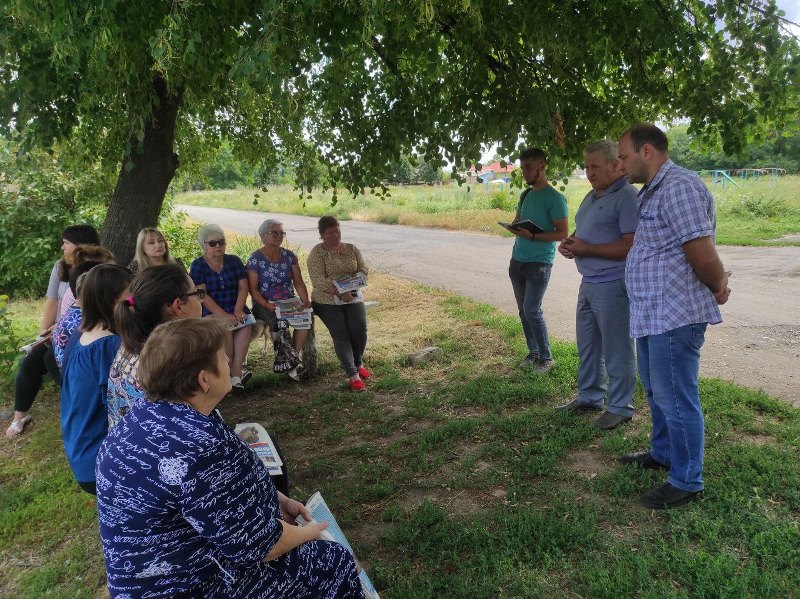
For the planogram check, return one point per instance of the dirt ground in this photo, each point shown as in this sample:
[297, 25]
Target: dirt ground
[757, 345]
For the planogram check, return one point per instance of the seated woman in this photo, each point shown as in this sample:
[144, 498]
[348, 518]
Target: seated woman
[87, 360]
[158, 294]
[40, 361]
[273, 273]
[84, 258]
[152, 249]
[346, 320]
[185, 508]
[225, 281]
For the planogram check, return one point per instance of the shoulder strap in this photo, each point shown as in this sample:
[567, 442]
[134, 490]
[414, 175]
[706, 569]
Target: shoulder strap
[522, 199]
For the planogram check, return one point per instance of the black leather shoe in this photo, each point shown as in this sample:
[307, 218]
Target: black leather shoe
[667, 496]
[574, 406]
[609, 420]
[642, 459]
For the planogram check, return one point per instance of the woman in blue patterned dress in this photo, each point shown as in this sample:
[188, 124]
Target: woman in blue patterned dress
[158, 294]
[186, 508]
[225, 281]
[273, 273]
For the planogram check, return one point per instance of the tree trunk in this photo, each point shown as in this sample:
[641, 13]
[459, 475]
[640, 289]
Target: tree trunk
[140, 190]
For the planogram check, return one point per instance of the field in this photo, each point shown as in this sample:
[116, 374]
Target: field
[755, 212]
[458, 479]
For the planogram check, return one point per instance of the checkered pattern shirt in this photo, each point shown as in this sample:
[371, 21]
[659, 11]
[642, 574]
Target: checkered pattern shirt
[664, 291]
[222, 286]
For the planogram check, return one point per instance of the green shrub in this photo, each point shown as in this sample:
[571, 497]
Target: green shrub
[759, 206]
[180, 233]
[38, 198]
[9, 342]
[502, 200]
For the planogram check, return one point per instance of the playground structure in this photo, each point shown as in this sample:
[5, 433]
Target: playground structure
[725, 176]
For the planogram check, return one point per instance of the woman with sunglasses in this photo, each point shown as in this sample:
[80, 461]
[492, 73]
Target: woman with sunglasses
[159, 294]
[274, 274]
[224, 280]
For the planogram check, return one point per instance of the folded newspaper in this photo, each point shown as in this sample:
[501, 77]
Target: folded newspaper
[293, 312]
[358, 296]
[320, 513]
[261, 443]
[345, 283]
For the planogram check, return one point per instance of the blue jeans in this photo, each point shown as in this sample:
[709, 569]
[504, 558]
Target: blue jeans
[669, 366]
[602, 322]
[529, 280]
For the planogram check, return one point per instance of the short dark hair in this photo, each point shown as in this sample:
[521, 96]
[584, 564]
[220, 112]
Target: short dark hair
[533, 154]
[174, 354]
[81, 235]
[99, 293]
[647, 133]
[326, 222]
[152, 291]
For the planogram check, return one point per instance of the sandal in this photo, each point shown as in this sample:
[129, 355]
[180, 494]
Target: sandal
[17, 427]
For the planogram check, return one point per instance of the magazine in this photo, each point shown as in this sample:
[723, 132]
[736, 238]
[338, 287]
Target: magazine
[358, 296]
[261, 443]
[320, 513]
[292, 311]
[345, 283]
[528, 225]
[248, 320]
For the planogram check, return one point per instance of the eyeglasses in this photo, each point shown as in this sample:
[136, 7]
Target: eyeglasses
[278, 233]
[200, 293]
[216, 242]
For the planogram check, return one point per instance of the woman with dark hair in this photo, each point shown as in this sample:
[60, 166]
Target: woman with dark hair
[87, 360]
[40, 360]
[345, 318]
[158, 294]
[185, 508]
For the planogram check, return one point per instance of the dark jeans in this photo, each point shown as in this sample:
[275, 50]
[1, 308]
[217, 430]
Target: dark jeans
[529, 280]
[90, 487]
[347, 325]
[31, 374]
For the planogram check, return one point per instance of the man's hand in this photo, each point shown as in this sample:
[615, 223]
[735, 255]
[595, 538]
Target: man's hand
[723, 295]
[564, 249]
[576, 246]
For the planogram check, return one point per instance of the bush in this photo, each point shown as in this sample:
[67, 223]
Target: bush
[759, 207]
[38, 198]
[502, 200]
[180, 233]
[9, 342]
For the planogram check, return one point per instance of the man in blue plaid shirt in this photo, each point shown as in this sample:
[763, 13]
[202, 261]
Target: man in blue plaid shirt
[675, 282]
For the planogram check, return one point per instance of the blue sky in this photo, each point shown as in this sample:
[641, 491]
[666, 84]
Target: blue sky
[791, 8]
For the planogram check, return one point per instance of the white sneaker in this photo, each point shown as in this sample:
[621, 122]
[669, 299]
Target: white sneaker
[236, 383]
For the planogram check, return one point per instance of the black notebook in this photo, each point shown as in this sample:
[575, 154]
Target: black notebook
[528, 225]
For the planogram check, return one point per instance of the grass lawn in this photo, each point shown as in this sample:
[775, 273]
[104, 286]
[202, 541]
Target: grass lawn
[458, 479]
[755, 212]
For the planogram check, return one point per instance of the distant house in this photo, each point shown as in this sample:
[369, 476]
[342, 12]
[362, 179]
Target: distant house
[490, 172]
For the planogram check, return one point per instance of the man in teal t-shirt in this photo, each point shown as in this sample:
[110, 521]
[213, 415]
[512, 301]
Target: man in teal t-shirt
[532, 258]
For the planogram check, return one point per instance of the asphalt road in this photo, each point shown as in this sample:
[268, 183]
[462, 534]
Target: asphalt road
[757, 345]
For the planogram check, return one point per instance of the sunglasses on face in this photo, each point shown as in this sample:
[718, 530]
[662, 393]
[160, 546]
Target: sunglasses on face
[278, 233]
[200, 293]
[216, 242]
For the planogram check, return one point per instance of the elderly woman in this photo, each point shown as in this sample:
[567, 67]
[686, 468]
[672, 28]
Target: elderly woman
[152, 249]
[158, 294]
[185, 507]
[224, 280]
[346, 319]
[274, 274]
[40, 360]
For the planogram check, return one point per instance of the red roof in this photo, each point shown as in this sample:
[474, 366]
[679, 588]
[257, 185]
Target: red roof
[495, 168]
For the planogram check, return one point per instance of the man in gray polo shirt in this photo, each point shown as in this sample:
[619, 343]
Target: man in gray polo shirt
[604, 229]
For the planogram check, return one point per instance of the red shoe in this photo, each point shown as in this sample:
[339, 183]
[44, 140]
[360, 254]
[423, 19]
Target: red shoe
[364, 373]
[357, 385]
